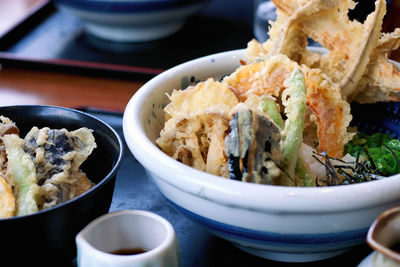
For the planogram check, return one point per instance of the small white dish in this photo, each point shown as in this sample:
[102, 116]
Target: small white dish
[100, 242]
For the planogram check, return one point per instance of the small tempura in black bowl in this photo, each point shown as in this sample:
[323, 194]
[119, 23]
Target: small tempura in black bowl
[47, 237]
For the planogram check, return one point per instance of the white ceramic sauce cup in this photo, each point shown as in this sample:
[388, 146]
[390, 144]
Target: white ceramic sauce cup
[128, 229]
[384, 237]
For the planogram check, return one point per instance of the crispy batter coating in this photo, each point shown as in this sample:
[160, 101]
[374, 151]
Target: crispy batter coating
[57, 155]
[21, 174]
[197, 140]
[41, 170]
[6, 127]
[261, 77]
[196, 123]
[382, 81]
[7, 200]
[209, 95]
[357, 59]
[81, 184]
[350, 42]
[357, 64]
[332, 113]
[330, 110]
[356, 68]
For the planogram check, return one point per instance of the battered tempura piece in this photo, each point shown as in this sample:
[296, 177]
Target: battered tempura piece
[21, 173]
[209, 95]
[329, 110]
[196, 122]
[382, 81]
[197, 140]
[7, 200]
[57, 155]
[290, 98]
[351, 43]
[41, 170]
[6, 127]
[358, 52]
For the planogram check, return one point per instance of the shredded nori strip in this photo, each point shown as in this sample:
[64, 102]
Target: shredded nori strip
[361, 171]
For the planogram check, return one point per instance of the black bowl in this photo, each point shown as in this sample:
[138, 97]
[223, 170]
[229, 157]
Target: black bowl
[382, 117]
[48, 236]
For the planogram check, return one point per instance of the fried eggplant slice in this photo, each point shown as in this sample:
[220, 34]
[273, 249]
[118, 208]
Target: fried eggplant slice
[57, 155]
[253, 147]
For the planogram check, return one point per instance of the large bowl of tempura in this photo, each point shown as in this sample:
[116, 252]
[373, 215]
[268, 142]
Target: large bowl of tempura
[290, 152]
[58, 169]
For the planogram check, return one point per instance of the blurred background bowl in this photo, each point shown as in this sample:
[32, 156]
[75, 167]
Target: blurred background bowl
[131, 20]
[48, 236]
[290, 224]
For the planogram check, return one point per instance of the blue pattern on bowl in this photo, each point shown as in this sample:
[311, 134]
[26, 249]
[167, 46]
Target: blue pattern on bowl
[126, 6]
[342, 239]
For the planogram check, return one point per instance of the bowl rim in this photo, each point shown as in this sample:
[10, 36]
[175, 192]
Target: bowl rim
[237, 194]
[100, 184]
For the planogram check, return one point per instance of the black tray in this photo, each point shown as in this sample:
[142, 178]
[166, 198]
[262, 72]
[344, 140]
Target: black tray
[134, 190]
[49, 38]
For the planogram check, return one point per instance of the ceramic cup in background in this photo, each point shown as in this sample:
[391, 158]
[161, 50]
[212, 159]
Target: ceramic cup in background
[128, 230]
[384, 237]
[264, 11]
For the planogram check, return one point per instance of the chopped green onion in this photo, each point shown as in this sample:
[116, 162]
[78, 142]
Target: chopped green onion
[383, 149]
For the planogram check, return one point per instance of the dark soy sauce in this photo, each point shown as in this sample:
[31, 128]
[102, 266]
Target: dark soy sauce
[129, 251]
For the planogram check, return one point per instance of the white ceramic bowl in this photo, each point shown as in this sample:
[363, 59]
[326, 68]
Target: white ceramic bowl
[275, 222]
[131, 20]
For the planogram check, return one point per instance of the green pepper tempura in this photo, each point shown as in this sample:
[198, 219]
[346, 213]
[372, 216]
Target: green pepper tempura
[381, 148]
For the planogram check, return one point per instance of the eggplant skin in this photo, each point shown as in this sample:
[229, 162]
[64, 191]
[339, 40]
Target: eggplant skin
[253, 147]
[234, 168]
[57, 155]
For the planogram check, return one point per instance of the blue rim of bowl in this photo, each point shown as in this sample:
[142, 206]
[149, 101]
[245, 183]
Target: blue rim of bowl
[127, 6]
[112, 173]
[339, 239]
